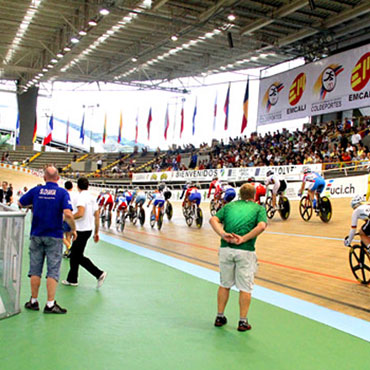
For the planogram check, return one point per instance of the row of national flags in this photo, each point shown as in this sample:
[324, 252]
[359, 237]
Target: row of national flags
[48, 137]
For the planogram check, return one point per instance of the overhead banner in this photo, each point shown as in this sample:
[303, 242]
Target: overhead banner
[340, 82]
[293, 172]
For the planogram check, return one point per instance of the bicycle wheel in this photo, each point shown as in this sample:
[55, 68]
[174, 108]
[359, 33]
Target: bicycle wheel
[109, 220]
[133, 216]
[118, 224]
[359, 261]
[269, 208]
[189, 220]
[152, 219]
[160, 220]
[169, 210]
[123, 221]
[213, 207]
[142, 216]
[305, 208]
[325, 209]
[102, 219]
[284, 207]
[199, 219]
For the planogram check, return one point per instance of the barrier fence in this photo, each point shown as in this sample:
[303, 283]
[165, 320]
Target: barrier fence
[11, 249]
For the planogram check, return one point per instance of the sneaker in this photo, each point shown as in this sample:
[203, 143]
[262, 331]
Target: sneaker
[244, 326]
[32, 306]
[101, 279]
[55, 309]
[67, 253]
[220, 321]
[66, 282]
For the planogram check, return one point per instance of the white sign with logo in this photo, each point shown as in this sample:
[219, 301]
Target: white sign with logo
[340, 82]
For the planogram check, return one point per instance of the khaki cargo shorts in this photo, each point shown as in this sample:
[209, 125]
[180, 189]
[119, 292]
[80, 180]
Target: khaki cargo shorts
[237, 267]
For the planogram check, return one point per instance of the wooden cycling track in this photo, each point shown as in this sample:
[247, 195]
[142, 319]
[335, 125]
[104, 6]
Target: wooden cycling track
[306, 260]
[302, 259]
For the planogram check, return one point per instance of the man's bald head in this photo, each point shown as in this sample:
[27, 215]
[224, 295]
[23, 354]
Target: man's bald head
[51, 174]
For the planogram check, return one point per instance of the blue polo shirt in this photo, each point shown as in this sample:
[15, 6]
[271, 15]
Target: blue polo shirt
[48, 203]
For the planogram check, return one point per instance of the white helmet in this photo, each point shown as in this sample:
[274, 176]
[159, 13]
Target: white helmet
[356, 201]
[306, 170]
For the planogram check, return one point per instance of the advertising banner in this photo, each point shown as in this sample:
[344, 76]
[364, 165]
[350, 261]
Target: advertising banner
[292, 172]
[340, 82]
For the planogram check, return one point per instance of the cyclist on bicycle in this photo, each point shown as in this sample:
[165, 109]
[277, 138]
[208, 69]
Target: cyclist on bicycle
[158, 198]
[106, 201]
[279, 185]
[228, 193]
[139, 197]
[192, 195]
[166, 191]
[316, 184]
[120, 204]
[361, 211]
[218, 189]
[260, 189]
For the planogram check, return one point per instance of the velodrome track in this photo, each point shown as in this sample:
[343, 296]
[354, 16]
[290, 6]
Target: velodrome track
[151, 315]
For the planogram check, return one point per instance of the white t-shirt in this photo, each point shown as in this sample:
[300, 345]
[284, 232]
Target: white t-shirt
[86, 200]
[73, 195]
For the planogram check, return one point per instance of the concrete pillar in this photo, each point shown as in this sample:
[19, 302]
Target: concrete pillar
[27, 114]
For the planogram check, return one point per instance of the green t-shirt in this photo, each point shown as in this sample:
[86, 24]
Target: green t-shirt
[241, 217]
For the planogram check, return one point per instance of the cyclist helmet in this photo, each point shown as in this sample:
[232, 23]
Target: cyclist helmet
[270, 173]
[215, 178]
[251, 179]
[356, 201]
[161, 186]
[306, 170]
[224, 183]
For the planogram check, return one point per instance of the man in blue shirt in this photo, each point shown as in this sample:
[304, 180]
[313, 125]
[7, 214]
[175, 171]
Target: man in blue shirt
[49, 203]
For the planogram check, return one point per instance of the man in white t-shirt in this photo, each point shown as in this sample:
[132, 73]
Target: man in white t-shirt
[86, 218]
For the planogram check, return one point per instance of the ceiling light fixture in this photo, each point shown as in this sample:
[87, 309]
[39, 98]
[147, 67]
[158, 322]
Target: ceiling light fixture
[82, 33]
[92, 23]
[75, 40]
[60, 55]
[104, 11]
[67, 48]
[134, 59]
[231, 17]
[174, 38]
[53, 61]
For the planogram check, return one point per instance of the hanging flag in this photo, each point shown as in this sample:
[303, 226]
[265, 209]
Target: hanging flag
[215, 113]
[182, 118]
[17, 130]
[245, 108]
[67, 133]
[48, 137]
[194, 114]
[226, 108]
[120, 127]
[137, 127]
[105, 128]
[166, 123]
[34, 136]
[149, 122]
[82, 130]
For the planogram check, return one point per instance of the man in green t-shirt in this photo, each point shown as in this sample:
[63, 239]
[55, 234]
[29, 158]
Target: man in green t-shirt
[238, 224]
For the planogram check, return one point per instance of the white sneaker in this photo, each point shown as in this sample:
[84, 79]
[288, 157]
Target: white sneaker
[101, 279]
[66, 282]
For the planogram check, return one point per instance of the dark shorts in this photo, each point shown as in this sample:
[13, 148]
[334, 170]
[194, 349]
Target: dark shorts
[167, 195]
[282, 186]
[66, 227]
[366, 228]
[52, 249]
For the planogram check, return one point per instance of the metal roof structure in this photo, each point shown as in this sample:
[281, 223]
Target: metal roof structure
[134, 41]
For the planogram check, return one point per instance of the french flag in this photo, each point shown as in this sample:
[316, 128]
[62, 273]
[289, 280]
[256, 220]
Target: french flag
[48, 137]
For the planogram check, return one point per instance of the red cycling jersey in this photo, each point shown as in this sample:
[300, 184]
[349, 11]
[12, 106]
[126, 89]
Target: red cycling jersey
[218, 189]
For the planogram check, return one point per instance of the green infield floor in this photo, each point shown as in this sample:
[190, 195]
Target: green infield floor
[151, 316]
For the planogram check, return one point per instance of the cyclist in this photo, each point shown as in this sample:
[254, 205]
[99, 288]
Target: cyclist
[166, 191]
[218, 189]
[228, 193]
[192, 195]
[260, 190]
[316, 184]
[158, 198]
[106, 201]
[139, 197]
[361, 211]
[120, 204]
[279, 185]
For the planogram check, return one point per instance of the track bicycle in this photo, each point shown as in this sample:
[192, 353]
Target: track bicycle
[282, 202]
[156, 217]
[215, 205]
[140, 212]
[323, 208]
[193, 212]
[121, 220]
[104, 218]
[132, 214]
[359, 261]
[168, 210]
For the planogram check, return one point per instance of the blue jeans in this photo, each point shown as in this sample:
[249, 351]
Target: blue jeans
[49, 247]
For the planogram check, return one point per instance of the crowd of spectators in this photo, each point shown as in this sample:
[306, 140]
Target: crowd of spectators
[330, 143]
